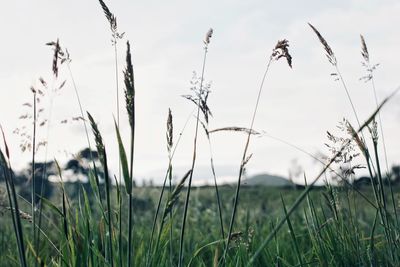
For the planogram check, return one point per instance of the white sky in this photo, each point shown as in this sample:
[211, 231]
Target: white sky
[297, 105]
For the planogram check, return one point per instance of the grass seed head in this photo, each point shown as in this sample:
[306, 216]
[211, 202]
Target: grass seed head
[98, 139]
[360, 143]
[281, 50]
[208, 36]
[329, 52]
[169, 131]
[129, 86]
[364, 49]
[109, 16]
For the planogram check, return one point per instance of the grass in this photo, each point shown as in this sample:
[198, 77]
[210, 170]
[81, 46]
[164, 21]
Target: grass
[329, 226]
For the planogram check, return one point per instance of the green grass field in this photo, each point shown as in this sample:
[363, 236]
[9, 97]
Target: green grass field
[333, 227]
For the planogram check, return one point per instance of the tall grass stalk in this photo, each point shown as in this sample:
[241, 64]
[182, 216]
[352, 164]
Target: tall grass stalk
[115, 35]
[170, 143]
[338, 77]
[206, 43]
[332, 59]
[242, 164]
[167, 176]
[55, 68]
[217, 195]
[112, 20]
[103, 159]
[203, 96]
[280, 50]
[370, 77]
[130, 107]
[200, 98]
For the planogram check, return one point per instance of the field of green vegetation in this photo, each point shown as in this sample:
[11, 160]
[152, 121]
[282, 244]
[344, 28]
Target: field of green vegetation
[332, 227]
[109, 221]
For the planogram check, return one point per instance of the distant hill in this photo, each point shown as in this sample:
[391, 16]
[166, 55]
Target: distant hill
[265, 179]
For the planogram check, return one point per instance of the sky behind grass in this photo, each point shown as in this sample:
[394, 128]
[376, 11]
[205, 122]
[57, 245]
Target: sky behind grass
[298, 105]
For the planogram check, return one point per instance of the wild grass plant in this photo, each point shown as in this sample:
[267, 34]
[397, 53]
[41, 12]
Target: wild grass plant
[114, 223]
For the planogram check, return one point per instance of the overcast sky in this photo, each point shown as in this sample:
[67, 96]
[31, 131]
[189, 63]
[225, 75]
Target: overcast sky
[298, 105]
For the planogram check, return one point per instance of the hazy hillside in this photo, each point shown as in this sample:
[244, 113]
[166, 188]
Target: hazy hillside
[267, 180]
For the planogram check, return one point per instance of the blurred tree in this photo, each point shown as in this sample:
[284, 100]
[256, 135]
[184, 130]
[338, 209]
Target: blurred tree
[396, 173]
[43, 187]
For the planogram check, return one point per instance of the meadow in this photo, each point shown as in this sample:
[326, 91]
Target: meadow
[109, 221]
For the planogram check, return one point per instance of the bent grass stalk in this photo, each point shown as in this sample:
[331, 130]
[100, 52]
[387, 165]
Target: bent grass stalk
[280, 50]
[217, 195]
[241, 169]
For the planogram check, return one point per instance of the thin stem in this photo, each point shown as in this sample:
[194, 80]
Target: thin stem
[383, 196]
[119, 160]
[86, 129]
[170, 215]
[80, 108]
[180, 262]
[384, 148]
[348, 94]
[130, 229]
[44, 170]
[243, 162]
[120, 203]
[221, 222]
[33, 175]
[380, 123]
